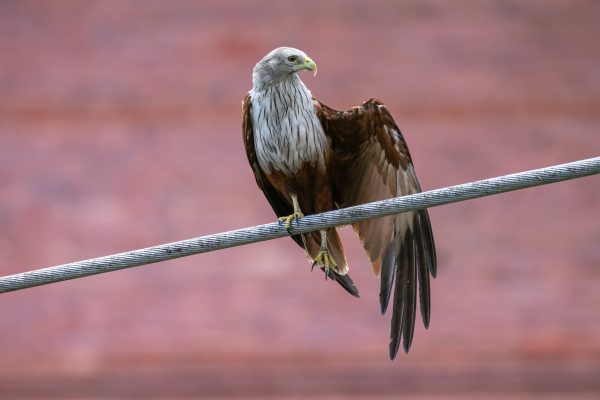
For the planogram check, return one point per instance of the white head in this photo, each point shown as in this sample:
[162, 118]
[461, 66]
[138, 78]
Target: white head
[280, 64]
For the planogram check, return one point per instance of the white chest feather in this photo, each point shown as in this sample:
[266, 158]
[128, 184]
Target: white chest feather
[287, 131]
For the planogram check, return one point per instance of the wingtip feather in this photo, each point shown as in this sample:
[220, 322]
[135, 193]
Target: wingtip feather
[406, 347]
[388, 270]
[394, 346]
[383, 308]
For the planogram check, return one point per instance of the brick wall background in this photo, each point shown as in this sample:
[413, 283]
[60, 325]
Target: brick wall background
[120, 128]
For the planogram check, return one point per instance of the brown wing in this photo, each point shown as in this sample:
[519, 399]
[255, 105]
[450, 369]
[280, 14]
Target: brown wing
[279, 204]
[370, 161]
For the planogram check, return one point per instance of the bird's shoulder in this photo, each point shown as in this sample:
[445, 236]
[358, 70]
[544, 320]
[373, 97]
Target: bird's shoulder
[369, 125]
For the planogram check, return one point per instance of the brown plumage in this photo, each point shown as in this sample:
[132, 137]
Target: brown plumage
[365, 159]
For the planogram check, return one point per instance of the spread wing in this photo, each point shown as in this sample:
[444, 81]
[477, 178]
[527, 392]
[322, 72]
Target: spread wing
[280, 205]
[370, 161]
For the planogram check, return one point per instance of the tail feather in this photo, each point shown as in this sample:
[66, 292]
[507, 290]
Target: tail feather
[346, 282]
[311, 242]
[337, 251]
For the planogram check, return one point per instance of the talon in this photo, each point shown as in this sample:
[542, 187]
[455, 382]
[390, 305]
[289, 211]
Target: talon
[287, 221]
[296, 215]
[325, 261]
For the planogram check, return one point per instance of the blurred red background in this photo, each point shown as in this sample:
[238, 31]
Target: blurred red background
[120, 128]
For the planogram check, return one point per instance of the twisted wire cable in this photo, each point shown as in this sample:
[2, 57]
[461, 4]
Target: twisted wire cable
[345, 216]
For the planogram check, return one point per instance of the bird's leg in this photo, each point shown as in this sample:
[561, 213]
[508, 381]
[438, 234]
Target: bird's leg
[287, 221]
[324, 258]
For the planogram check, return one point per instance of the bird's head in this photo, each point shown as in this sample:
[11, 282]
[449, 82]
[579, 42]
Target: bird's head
[280, 64]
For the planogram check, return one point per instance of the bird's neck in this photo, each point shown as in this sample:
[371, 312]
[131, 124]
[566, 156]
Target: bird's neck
[288, 96]
[285, 82]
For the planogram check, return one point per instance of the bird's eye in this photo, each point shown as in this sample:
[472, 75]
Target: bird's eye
[292, 58]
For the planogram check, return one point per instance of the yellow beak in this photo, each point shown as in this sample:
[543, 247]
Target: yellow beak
[310, 65]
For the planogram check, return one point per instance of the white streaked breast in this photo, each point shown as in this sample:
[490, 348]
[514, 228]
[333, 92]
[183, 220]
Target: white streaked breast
[287, 131]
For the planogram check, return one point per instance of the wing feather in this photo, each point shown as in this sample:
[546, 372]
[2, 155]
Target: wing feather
[370, 161]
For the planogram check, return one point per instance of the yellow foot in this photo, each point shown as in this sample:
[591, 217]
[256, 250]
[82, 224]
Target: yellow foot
[287, 221]
[325, 261]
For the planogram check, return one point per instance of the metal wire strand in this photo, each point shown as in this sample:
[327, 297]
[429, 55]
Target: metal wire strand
[239, 237]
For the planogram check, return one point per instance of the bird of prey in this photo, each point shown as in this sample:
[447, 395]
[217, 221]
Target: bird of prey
[308, 158]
